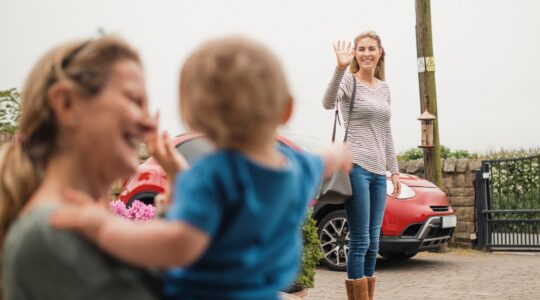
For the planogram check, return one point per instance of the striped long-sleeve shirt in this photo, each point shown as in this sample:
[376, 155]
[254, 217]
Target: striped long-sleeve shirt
[370, 136]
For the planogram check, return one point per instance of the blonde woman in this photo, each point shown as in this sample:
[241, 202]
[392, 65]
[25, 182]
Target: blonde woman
[84, 111]
[372, 149]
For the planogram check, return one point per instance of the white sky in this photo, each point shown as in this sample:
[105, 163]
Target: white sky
[487, 55]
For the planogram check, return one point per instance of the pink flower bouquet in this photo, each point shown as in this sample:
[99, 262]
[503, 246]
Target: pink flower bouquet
[138, 211]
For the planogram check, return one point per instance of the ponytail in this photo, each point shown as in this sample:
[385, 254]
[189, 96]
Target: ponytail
[19, 178]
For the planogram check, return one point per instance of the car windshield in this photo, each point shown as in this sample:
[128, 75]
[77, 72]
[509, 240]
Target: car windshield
[306, 142]
[195, 148]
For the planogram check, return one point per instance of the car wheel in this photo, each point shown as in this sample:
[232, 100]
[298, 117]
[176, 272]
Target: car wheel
[398, 256]
[333, 232]
[145, 197]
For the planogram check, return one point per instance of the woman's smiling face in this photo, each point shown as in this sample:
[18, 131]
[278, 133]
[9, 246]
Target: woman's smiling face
[367, 53]
[112, 125]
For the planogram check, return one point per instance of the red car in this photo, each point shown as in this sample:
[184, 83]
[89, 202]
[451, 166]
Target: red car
[420, 219]
[149, 180]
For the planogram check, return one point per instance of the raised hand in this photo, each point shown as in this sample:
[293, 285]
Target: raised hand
[161, 148]
[344, 55]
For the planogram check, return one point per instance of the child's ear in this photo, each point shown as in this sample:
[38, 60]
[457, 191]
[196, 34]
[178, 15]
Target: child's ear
[287, 113]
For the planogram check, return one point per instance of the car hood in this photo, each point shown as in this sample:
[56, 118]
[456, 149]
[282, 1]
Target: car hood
[415, 181]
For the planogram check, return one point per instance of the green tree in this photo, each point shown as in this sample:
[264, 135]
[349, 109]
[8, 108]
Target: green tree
[10, 110]
[445, 152]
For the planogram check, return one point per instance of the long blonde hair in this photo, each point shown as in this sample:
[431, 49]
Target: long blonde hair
[379, 69]
[87, 66]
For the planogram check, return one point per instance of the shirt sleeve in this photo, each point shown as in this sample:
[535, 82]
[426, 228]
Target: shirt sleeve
[313, 168]
[197, 200]
[391, 160]
[336, 90]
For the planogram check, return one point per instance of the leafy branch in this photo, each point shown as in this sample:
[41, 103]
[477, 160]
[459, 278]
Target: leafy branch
[10, 110]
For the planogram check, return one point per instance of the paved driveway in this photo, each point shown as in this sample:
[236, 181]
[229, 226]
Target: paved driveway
[458, 274]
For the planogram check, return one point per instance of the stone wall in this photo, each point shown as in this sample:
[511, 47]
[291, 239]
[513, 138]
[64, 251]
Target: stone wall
[458, 184]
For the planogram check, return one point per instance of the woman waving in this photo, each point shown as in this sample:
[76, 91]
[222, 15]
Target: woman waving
[372, 148]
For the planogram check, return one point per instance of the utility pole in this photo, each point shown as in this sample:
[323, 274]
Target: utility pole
[428, 96]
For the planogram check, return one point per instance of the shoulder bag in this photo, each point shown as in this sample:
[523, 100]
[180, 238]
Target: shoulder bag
[337, 188]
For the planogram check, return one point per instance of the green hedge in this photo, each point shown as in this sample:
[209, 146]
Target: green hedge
[418, 153]
[515, 184]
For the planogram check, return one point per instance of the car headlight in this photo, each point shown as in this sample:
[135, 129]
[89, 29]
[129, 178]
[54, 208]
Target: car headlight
[406, 191]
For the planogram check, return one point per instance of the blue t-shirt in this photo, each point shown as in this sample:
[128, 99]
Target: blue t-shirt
[253, 215]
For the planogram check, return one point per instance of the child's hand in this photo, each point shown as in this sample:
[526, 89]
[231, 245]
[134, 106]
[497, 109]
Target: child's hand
[160, 147]
[336, 158]
[343, 157]
[82, 214]
[162, 202]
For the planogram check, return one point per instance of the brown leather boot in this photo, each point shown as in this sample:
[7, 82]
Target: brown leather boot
[371, 287]
[349, 288]
[357, 289]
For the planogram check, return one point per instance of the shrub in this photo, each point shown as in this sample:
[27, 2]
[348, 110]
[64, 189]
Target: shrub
[10, 110]
[411, 154]
[463, 154]
[514, 182]
[509, 153]
[311, 256]
[418, 153]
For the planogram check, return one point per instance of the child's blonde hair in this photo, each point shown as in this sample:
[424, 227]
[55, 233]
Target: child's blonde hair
[234, 91]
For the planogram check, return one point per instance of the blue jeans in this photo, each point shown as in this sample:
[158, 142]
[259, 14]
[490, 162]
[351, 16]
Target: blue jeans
[365, 212]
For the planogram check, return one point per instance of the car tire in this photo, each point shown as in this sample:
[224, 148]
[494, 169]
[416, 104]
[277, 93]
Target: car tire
[333, 234]
[398, 256]
[145, 197]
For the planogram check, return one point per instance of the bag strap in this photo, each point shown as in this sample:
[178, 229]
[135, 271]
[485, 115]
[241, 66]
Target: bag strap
[336, 120]
[336, 115]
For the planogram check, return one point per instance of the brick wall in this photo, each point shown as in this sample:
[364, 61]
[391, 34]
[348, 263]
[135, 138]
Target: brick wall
[458, 184]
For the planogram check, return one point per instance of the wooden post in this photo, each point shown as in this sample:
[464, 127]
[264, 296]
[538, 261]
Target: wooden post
[428, 96]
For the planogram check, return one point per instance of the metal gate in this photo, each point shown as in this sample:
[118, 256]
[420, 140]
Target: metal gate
[507, 196]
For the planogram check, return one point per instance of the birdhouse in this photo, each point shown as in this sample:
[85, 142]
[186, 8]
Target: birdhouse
[427, 129]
